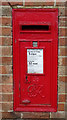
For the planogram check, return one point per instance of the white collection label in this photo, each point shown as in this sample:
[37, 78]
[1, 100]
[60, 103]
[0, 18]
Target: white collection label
[35, 60]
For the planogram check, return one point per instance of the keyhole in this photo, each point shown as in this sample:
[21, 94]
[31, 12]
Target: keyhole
[26, 78]
[35, 44]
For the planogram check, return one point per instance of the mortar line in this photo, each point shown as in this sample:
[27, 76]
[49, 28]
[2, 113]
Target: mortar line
[5, 56]
[62, 56]
[62, 93]
[8, 56]
[62, 76]
[34, 6]
[6, 36]
[62, 66]
[5, 26]
[5, 16]
[61, 102]
[6, 46]
[6, 102]
[62, 37]
[62, 21]
[5, 6]
[62, 27]
[62, 46]
[58, 37]
[54, 3]
[6, 83]
[62, 16]
[5, 93]
[5, 74]
[10, 110]
[23, 2]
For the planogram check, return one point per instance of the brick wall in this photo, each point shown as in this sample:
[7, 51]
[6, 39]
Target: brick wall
[6, 76]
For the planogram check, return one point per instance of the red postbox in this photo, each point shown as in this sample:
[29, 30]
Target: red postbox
[35, 51]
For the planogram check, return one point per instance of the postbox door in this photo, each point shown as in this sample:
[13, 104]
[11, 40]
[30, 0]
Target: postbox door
[35, 72]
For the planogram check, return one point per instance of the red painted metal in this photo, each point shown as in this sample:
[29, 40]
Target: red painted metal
[35, 91]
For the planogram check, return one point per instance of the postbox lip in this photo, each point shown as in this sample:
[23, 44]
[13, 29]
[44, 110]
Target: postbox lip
[36, 9]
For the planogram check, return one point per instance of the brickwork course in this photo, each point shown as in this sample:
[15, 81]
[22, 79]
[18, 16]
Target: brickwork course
[6, 64]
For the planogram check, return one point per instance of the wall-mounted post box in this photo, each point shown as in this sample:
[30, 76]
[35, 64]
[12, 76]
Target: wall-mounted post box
[35, 49]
